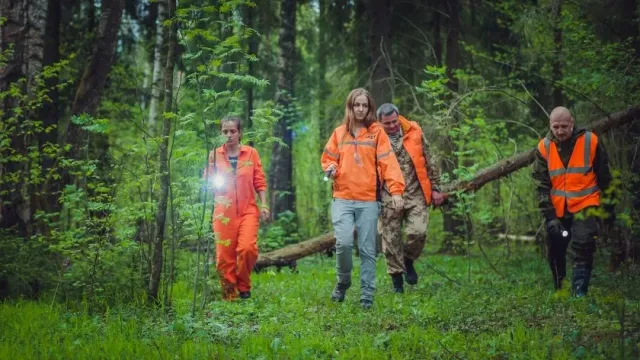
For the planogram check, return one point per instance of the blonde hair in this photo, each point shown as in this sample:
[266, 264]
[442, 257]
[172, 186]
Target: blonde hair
[350, 118]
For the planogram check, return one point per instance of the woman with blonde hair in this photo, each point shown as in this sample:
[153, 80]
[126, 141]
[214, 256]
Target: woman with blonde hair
[358, 156]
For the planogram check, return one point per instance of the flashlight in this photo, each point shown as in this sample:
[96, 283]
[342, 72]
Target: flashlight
[326, 176]
[218, 181]
[565, 233]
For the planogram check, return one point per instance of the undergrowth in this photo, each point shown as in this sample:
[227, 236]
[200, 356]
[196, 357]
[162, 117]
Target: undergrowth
[460, 309]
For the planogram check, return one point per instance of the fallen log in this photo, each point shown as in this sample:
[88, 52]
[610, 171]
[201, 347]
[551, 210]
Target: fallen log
[522, 238]
[287, 254]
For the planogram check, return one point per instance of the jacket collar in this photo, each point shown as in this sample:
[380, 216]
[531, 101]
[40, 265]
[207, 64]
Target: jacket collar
[373, 128]
[223, 149]
[405, 124]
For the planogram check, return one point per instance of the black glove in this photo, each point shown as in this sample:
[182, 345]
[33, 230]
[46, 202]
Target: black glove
[555, 228]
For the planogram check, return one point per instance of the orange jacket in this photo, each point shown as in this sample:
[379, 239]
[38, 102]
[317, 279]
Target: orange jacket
[358, 180]
[236, 194]
[577, 184]
[412, 142]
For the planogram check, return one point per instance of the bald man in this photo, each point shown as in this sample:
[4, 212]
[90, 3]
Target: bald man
[572, 174]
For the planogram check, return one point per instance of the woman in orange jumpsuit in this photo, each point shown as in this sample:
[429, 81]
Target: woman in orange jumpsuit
[235, 171]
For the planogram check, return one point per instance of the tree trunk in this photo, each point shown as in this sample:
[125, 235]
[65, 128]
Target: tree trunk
[285, 255]
[88, 95]
[325, 125]
[453, 225]
[556, 71]
[91, 15]
[50, 111]
[253, 50]
[629, 25]
[156, 77]
[281, 169]
[380, 42]
[361, 38]
[91, 85]
[24, 30]
[163, 160]
[437, 37]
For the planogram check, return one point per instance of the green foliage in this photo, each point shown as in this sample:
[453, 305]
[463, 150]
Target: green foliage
[480, 137]
[24, 265]
[94, 243]
[281, 232]
[515, 316]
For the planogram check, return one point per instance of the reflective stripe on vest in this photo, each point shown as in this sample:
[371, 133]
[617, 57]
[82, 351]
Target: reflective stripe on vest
[575, 194]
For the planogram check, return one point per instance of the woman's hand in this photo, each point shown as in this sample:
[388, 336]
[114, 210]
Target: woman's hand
[331, 171]
[264, 213]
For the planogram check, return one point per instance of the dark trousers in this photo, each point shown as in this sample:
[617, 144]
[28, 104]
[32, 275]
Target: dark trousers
[583, 230]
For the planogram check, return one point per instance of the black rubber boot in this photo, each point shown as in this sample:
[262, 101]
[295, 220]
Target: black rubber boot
[340, 291]
[411, 276]
[398, 283]
[581, 278]
[245, 294]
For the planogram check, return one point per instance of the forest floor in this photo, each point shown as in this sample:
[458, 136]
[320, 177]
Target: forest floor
[475, 314]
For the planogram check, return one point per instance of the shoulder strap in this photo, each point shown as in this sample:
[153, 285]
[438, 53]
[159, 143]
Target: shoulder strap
[587, 148]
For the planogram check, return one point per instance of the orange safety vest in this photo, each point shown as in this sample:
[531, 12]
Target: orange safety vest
[576, 185]
[412, 142]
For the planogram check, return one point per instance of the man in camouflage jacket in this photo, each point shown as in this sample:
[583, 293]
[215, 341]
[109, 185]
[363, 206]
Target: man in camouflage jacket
[421, 177]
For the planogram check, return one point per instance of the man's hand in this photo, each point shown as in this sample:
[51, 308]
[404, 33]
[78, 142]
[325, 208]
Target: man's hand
[555, 228]
[330, 171]
[437, 198]
[397, 202]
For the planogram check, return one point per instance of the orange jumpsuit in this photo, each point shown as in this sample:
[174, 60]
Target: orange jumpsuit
[236, 217]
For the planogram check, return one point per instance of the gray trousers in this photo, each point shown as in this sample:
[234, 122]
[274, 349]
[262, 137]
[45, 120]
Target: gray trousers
[345, 214]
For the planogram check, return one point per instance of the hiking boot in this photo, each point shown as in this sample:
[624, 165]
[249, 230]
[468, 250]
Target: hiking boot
[581, 278]
[245, 294]
[366, 303]
[411, 276]
[398, 283]
[340, 291]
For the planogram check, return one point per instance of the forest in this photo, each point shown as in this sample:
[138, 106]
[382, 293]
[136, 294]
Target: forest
[109, 111]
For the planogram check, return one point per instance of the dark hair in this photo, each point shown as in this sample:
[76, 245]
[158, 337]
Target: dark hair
[234, 119]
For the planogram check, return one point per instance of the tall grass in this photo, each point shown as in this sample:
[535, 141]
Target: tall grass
[513, 316]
